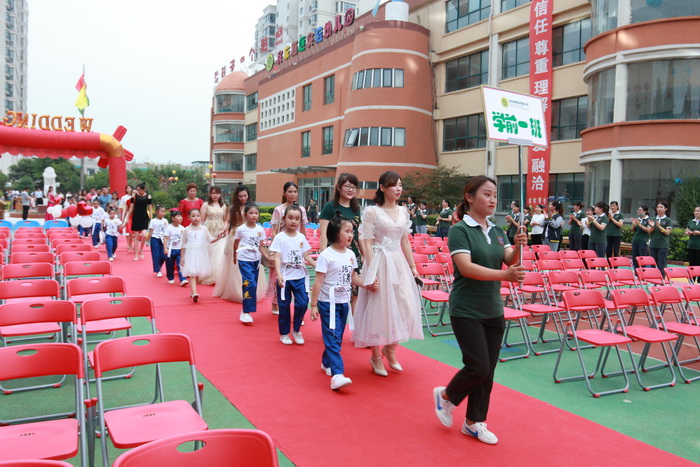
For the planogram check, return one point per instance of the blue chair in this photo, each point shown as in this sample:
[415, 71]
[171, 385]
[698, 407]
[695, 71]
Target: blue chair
[4, 223]
[267, 224]
[312, 226]
[20, 224]
[55, 223]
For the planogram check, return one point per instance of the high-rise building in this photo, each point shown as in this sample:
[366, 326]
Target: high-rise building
[14, 56]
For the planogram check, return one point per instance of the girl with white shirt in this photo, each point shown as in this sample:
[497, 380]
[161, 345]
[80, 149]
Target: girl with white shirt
[247, 251]
[156, 230]
[537, 224]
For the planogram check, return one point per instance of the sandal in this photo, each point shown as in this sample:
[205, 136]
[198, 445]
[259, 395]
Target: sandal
[195, 297]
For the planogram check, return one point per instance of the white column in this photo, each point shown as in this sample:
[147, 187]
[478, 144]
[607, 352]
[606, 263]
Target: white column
[615, 177]
[620, 106]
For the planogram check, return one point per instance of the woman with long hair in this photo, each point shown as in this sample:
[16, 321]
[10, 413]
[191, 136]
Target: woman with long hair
[124, 205]
[140, 213]
[213, 212]
[390, 313]
[553, 225]
[478, 248]
[51, 201]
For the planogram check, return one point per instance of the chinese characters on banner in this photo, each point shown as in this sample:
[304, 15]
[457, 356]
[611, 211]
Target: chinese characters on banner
[537, 170]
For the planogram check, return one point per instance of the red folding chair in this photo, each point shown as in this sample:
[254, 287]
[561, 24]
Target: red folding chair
[27, 271]
[528, 255]
[29, 257]
[68, 256]
[596, 263]
[694, 273]
[23, 233]
[575, 264]
[440, 298]
[559, 282]
[583, 254]
[568, 254]
[650, 276]
[429, 250]
[539, 248]
[590, 301]
[66, 241]
[620, 262]
[86, 288]
[249, 448]
[546, 265]
[418, 258]
[622, 278]
[28, 241]
[75, 269]
[643, 261]
[32, 248]
[534, 285]
[64, 248]
[54, 435]
[137, 424]
[21, 290]
[678, 273]
[517, 318]
[548, 255]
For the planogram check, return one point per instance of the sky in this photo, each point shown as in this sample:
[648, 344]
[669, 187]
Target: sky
[149, 66]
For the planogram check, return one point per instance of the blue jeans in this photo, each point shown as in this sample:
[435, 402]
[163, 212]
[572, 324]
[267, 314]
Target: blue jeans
[249, 276]
[297, 288]
[170, 262]
[96, 229]
[333, 338]
[554, 246]
[157, 254]
[111, 242]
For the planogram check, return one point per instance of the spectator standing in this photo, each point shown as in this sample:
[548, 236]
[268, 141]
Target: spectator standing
[660, 239]
[444, 221]
[576, 229]
[614, 230]
[513, 219]
[421, 218]
[189, 203]
[26, 203]
[537, 223]
[553, 227]
[105, 198]
[312, 211]
[641, 227]
[39, 197]
[693, 233]
[598, 223]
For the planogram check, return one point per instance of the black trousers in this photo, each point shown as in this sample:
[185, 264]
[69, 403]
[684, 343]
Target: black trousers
[694, 259]
[574, 242]
[25, 212]
[480, 342]
[613, 248]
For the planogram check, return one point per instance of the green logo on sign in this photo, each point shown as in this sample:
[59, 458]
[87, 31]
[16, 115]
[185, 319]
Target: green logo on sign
[504, 102]
[270, 62]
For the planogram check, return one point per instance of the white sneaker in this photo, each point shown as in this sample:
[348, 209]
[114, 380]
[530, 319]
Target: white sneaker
[286, 340]
[246, 318]
[326, 370]
[114, 255]
[275, 312]
[298, 338]
[339, 381]
[171, 282]
[160, 274]
[443, 408]
[184, 283]
[478, 430]
[112, 258]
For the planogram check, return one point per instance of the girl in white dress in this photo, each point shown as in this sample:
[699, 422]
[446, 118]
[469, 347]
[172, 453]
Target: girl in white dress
[213, 218]
[392, 314]
[195, 252]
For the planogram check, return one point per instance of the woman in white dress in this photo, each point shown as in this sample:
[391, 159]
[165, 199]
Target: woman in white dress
[229, 284]
[392, 314]
[213, 218]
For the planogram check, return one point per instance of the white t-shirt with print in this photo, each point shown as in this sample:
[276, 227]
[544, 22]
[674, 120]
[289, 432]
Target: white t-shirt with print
[249, 246]
[98, 215]
[291, 251]
[338, 268]
[157, 227]
[174, 235]
[112, 226]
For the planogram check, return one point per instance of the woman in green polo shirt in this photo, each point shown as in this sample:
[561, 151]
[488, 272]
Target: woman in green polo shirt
[660, 239]
[613, 233]
[598, 223]
[444, 221]
[693, 233]
[478, 248]
[641, 226]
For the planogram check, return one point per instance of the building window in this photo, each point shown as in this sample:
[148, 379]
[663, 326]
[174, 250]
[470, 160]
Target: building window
[375, 136]
[328, 140]
[510, 4]
[9, 90]
[342, 7]
[601, 90]
[646, 10]
[251, 162]
[467, 132]
[306, 144]
[228, 162]
[228, 132]
[378, 78]
[251, 132]
[307, 98]
[229, 103]
[467, 72]
[568, 42]
[329, 89]
[516, 58]
[569, 117]
[9, 105]
[461, 13]
[251, 102]
[9, 73]
[508, 190]
[663, 90]
[565, 188]
[369, 185]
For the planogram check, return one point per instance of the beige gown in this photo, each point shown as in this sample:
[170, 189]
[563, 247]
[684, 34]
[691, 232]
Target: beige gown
[215, 224]
[229, 286]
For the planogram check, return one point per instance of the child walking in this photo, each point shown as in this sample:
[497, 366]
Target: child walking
[98, 215]
[195, 252]
[336, 272]
[247, 251]
[111, 229]
[172, 242]
[291, 249]
[156, 230]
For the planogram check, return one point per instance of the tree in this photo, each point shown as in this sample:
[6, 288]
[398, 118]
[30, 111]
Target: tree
[432, 187]
[67, 174]
[162, 189]
[98, 180]
[687, 198]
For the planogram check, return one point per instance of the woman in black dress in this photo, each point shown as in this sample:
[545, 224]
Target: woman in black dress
[140, 214]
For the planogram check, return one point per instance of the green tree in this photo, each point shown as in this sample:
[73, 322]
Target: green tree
[162, 189]
[432, 187]
[67, 174]
[687, 198]
[98, 180]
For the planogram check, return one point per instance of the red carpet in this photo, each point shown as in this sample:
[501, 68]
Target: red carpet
[375, 421]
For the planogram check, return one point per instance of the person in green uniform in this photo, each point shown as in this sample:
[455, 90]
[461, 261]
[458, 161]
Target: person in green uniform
[576, 226]
[641, 227]
[660, 238]
[478, 248]
[613, 233]
[693, 233]
[312, 211]
[444, 221]
[420, 220]
[598, 223]
[513, 219]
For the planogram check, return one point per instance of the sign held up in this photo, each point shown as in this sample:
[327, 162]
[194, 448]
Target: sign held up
[514, 116]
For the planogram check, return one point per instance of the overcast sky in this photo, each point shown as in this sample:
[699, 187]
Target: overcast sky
[149, 66]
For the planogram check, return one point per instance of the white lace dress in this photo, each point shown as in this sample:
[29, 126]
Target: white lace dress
[195, 241]
[215, 224]
[392, 314]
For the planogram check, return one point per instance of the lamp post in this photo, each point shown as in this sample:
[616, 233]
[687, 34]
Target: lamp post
[210, 175]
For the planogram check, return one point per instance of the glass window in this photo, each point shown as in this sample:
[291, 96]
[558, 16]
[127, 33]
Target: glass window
[228, 162]
[569, 117]
[251, 132]
[360, 79]
[374, 136]
[650, 10]
[467, 132]
[369, 185]
[251, 162]
[568, 42]
[328, 140]
[601, 90]
[251, 102]
[399, 137]
[508, 190]
[516, 58]
[467, 72]
[229, 103]
[228, 132]
[461, 13]
[306, 144]
[386, 136]
[307, 97]
[351, 137]
[663, 90]
[364, 136]
[398, 78]
[604, 16]
[378, 77]
[329, 90]
[9, 72]
[510, 4]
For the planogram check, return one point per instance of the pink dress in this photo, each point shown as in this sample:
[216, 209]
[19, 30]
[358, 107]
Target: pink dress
[392, 314]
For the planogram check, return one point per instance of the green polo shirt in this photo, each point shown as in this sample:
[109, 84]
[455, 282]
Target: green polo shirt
[513, 229]
[575, 229]
[328, 213]
[640, 236]
[445, 213]
[526, 221]
[418, 220]
[598, 236]
[694, 240]
[472, 298]
[612, 230]
[657, 238]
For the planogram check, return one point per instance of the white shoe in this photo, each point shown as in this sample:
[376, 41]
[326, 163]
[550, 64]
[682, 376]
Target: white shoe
[160, 274]
[478, 430]
[275, 312]
[286, 340]
[246, 318]
[326, 370]
[171, 282]
[443, 408]
[111, 259]
[114, 255]
[184, 283]
[339, 381]
[298, 338]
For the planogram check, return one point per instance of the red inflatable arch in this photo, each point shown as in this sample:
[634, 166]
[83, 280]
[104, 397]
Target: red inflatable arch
[55, 144]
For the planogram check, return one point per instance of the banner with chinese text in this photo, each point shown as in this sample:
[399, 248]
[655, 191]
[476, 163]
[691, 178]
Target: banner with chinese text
[537, 190]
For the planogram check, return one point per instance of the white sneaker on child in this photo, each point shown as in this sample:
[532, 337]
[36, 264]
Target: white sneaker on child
[171, 282]
[339, 381]
[443, 408]
[478, 430]
[184, 283]
[246, 318]
[112, 258]
[286, 340]
[298, 338]
[160, 274]
[326, 370]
